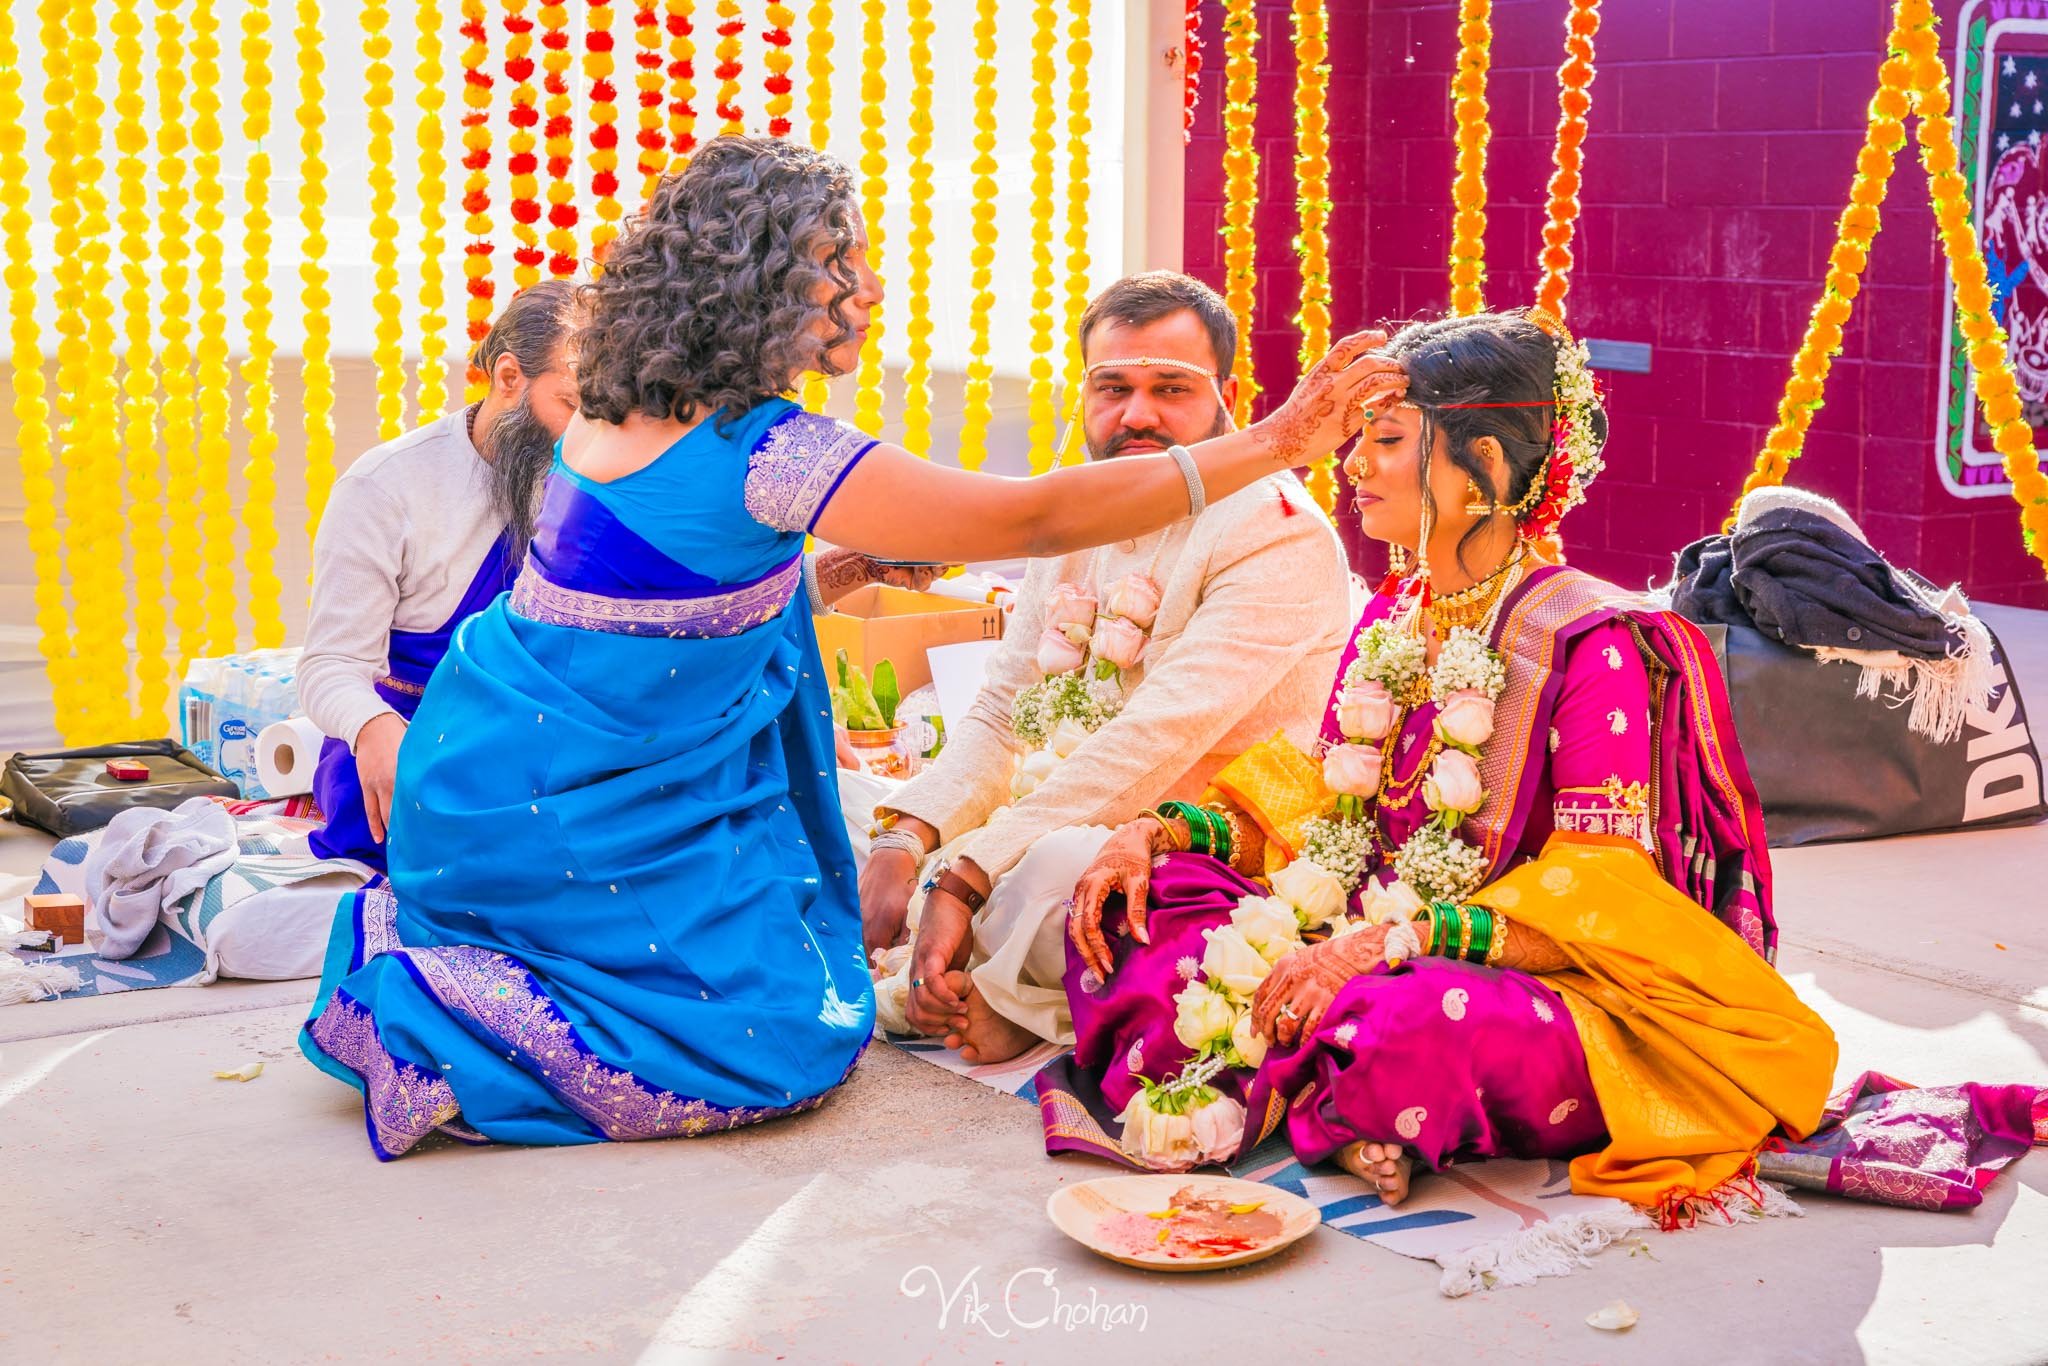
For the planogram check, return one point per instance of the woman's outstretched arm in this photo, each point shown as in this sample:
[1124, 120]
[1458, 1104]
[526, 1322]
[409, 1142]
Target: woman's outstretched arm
[896, 505]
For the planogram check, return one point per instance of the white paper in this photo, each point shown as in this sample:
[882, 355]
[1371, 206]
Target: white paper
[957, 674]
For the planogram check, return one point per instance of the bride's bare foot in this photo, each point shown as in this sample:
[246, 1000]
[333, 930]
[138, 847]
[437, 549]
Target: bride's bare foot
[982, 1034]
[1386, 1165]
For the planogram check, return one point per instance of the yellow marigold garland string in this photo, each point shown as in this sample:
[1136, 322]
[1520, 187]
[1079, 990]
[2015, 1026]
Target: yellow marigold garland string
[145, 519]
[778, 59]
[730, 27]
[979, 411]
[559, 135]
[1312, 203]
[1574, 101]
[259, 474]
[682, 78]
[217, 552]
[1080, 51]
[648, 83]
[31, 405]
[62, 657]
[316, 300]
[180, 415]
[917, 254]
[1468, 190]
[598, 65]
[477, 283]
[98, 586]
[522, 161]
[1240, 188]
[1042, 413]
[874, 186]
[388, 352]
[431, 140]
[818, 111]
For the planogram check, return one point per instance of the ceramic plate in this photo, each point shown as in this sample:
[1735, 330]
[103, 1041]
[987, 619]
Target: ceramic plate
[1115, 1215]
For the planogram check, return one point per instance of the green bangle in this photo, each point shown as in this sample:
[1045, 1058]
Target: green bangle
[1482, 934]
[1198, 824]
[1443, 923]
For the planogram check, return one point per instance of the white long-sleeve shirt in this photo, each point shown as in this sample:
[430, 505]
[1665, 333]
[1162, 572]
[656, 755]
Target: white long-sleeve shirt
[402, 537]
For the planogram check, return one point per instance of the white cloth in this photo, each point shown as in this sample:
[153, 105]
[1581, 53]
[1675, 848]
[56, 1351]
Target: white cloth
[402, 537]
[149, 859]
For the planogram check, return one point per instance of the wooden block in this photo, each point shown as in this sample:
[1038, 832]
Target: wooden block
[128, 770]
[59, 913]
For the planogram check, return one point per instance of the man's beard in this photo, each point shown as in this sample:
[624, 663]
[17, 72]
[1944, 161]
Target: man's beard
[1124, 436]
[522, 450]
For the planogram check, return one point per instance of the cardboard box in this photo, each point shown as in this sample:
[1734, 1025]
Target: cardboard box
[879, 622]
[57, 912]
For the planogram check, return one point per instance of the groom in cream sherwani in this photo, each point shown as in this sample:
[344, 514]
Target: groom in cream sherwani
[1251, 614]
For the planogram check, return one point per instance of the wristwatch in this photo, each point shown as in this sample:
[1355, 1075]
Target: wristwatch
[944, 879]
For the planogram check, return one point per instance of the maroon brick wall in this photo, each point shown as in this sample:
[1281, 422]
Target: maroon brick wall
[1723, 138]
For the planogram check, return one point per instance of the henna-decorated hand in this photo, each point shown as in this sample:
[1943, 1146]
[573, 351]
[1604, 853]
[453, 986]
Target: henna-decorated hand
[1124, 865]
[1327, 405]
[841, 571]
[1292, 1000]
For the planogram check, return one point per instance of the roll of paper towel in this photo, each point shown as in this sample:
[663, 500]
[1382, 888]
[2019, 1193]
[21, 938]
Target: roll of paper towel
[287, 752]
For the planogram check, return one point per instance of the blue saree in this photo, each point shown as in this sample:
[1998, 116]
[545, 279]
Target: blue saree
[621, 903]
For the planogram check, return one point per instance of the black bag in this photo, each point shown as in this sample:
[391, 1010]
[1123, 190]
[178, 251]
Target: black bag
[1834, 766]
[67, 792]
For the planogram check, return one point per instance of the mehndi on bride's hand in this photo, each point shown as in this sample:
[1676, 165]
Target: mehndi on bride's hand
[1292, 1000]
[1124, 865]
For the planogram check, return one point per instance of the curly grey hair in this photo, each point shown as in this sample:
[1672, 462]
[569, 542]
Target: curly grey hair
[707, 300]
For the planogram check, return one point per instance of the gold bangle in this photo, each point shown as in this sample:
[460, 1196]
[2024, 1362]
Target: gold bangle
[1464, 932]
[1500, 940]
[1239, 846]
[1173, 843]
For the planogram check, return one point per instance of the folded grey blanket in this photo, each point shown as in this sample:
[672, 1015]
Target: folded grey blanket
[149, 859]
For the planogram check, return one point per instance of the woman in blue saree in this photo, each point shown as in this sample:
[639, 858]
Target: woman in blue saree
[621, 901]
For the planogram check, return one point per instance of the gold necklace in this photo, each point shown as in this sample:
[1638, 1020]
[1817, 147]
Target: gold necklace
[1469, 607]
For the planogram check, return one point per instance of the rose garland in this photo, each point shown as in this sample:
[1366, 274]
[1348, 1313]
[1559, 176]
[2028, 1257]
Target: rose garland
[729, 70]
[1042, 416]
[63, 636]
[980, 392]
[682, 78]
[648, 82]
[778, 60]
[818, 110]
[522, 164]
[1191, 69]
[1241, 188]
[139, 437]
[1312, 200]
[218, 552]
[1084, 651]
[1990, 357]
[316, 368]
[431, 379]
[1574, 100]
[1468, 191]
[259, 472]
[874, 185]
[559, 137]
[388, 352]
[917, 254]
[1856, 230]
[31, 404]
[599, 65]
[1080, 51]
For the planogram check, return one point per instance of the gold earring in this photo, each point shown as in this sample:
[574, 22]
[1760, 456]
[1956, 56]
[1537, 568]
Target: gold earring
[1477, 502]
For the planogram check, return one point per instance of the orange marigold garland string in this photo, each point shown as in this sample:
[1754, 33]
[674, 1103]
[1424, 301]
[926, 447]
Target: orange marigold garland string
[1241, 188]
[648, 81]
[1191, 69]
[1561, 209]
[598, 65]
[729, 70]
[682, 82]
[1468, 191]
[431, 141]
[559, 137]
[874, 188]
[979, 411]
[477, 283]
[778, 60]
[316, 368]
[522, 163]
[1312, 204]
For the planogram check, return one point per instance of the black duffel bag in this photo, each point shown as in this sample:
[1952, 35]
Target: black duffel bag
[1830, 765]
[68, 792]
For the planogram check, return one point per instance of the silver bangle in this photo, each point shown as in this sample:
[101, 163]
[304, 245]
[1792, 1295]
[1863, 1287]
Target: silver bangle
[819, 607]
[1198, 497]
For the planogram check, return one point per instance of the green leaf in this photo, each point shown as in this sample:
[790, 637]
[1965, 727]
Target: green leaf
[888, 696]
[843, 665]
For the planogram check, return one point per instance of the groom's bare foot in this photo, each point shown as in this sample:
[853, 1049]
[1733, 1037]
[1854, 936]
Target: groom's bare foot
[1385, 1165]
[982, 1034]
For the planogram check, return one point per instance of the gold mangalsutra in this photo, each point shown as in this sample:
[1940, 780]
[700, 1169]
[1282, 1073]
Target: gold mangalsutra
[1469, 607]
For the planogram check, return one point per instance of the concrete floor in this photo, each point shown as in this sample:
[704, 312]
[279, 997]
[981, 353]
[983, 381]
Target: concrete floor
[155, 1214]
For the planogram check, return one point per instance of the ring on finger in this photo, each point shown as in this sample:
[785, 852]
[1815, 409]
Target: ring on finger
[1290, 1012]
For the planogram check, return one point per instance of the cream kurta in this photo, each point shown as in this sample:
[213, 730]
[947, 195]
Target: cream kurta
[1255, 605]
